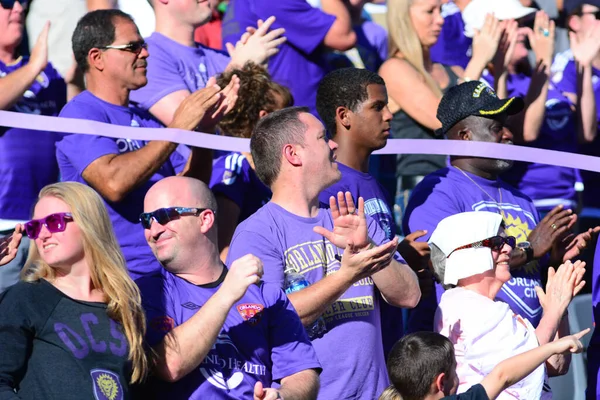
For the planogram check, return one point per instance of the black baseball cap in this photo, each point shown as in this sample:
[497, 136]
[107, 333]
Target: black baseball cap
[571, 5]
[473, 98]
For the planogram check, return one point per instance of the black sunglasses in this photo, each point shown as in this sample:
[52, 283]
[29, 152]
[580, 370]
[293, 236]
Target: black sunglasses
[494, 243]
[164, 215]
[594, 13]
[135, 47]
[9, 4]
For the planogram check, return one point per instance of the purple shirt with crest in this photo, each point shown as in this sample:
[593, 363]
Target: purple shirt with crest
[173, 67]
[262, 338]
[301, 62]
[351, 349]
[27, 160]
[76, 152]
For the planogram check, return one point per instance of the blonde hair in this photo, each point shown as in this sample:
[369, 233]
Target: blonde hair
[106, 262]
[403, 39]
[390, 393]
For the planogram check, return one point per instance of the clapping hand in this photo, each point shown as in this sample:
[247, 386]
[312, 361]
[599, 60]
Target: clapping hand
[541, 38]
[9, 245]
[349, 226]
[257, 45]
[562, 286]
[486, 40]
[587, 47]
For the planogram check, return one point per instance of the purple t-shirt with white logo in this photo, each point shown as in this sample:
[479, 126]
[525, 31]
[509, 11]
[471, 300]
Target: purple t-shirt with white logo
[173, 67]
[27, 161]
[377, 202]
[447, 192]
[351, 350]
[301, 62]
[452, 47]
[233, 177]
[76, 152]
[262, 338]
[566, 81]
[547, 185]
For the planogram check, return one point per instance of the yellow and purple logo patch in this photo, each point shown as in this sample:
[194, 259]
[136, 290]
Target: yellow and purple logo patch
[252, 313]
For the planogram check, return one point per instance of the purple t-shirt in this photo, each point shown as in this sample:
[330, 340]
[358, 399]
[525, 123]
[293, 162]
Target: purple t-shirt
[233, 177]
[262, 338]
[76, 152]
[27, 160]
[447, 192]
[351, 350]
[566, 81]
[377, 202]
[301, 62]
[547, 185]
[593, 353]
[452, 47]
[173, 67]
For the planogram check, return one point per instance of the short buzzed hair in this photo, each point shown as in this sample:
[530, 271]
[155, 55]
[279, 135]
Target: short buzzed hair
[272, 132]
[346, 87]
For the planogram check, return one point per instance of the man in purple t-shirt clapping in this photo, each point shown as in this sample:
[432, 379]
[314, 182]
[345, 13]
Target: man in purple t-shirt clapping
[218, 332]
[113, 56]
[293, 235]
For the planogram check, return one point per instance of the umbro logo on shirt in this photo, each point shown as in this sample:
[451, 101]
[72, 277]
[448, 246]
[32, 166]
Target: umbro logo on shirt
[190, 306]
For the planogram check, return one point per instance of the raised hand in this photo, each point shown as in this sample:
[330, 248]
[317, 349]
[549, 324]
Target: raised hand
[552, 228]
[572, 246]
[258, 46]
[587, 47]
[39, 53]
[571, 343]
[361, 264]
[506, 46]
[561, 287]
[243, 272]
[204, 108]
[10, 244]
[542, 38]
[349, 226]
[485, 41]
[416, 254]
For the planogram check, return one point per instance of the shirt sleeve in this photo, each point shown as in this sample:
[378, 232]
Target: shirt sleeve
[291, 350]
[249, 242]
[229, 178]
[16, 341]
[305, 26]
[565, 79]
[158, 306]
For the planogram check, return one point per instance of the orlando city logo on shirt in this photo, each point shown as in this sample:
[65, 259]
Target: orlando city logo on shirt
[106, 385]
[252, 313]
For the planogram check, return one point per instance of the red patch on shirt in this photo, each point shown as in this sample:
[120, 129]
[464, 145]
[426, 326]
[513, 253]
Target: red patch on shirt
[162, 324]
[252, 313]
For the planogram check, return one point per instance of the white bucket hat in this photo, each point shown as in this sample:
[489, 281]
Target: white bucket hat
[474, 13]
[459, 230]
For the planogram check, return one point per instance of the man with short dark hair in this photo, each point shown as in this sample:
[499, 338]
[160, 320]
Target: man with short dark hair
[113, 56]
[218, 332]
[472, 111]
[299, 243]
[352, 103]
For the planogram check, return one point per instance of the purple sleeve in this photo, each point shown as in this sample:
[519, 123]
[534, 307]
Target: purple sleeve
[305, 26]
[82, 150]
[249, 242]
[229, 178]
[566, 80]
[158, 307]
[178, 161]
[378, 236]
[426, 208]
[291, 350]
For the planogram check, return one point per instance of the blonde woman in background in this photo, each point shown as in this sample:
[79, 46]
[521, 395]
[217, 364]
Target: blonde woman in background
[73, 327]
[415, 84]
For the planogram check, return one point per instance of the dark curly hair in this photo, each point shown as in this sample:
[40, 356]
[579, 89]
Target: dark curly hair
[257, 92]
[346, 87]
[95, 29]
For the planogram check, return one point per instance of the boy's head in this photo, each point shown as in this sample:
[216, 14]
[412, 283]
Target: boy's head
[422, 364]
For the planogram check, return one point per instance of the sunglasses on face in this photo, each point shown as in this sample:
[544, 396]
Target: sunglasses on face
[494, 243]
[53, 222]
[9, 4]
[596, 14]
[135, 47]
[164, 215]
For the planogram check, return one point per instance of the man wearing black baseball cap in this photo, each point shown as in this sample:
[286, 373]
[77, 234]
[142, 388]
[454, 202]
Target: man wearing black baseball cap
[472, 111]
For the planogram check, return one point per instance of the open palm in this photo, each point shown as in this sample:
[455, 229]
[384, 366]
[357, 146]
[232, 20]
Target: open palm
[349, 226]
